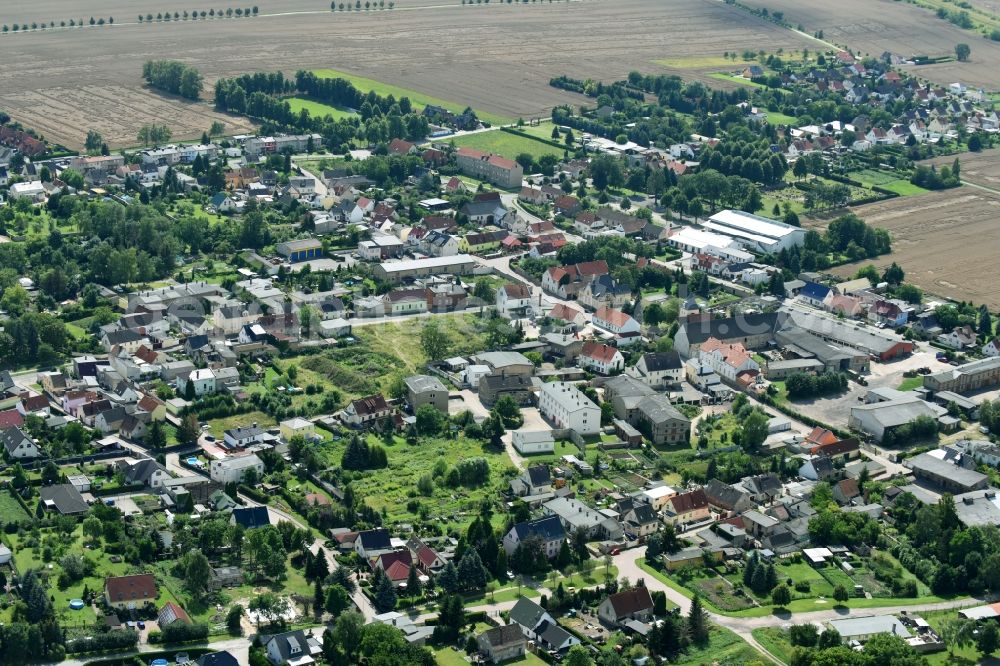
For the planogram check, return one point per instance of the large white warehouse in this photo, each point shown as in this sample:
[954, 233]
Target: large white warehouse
[755, 233]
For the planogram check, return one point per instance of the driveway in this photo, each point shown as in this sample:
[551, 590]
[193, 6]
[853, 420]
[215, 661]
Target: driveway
[532, 421]
[833, 410]
[473, 404]
[890, 374]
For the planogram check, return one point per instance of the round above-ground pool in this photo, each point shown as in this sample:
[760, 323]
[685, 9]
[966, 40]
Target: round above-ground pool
[159, 662]
[76, 604]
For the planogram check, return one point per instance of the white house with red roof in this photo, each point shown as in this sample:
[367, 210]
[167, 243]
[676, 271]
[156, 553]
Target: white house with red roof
[615, 321]
[727, 359]
[601, 358]
[513, 300]
[568, 314]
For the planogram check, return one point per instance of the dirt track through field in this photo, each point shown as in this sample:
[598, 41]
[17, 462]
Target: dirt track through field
[946, 242]
[495, 57]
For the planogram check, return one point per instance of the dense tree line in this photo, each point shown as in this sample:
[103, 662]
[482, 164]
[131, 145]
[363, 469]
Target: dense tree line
[847, 235]
[34, 632]
[381, 118]
[879, 650]
[921, 428]
[752, 160]
[946, 555]
[931, 179]
[173, 77]
[360, 455]
[803, 385]
[34, 337]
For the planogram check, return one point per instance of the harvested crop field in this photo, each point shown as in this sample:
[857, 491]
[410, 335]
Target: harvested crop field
[496, 57]
[875, 26]
[981, 168]
[65, 114]
[945, 241]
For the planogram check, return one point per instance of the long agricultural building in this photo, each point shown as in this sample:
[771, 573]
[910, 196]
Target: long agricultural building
[968, 377]
[881, 345]
[395, 272]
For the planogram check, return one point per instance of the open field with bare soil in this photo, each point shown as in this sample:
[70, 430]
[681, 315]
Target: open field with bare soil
[875, 26]
[982, 169]
[945, 241]
[496, 57]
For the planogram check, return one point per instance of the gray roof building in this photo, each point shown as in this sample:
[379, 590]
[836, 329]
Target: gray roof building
[64, 498]
[947, 475]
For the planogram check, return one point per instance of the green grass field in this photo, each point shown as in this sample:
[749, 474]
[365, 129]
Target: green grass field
[797, 605]
[506, 144]
[77, 332]
[420, 100]
[724, 647]
[774, 640]
[391, 489]
[699, 62]
[11, 510]
[910, 383]
[318, 109]
[887, 181]
[723, 76]
[542, 130]
[904, 188]
[778, 118]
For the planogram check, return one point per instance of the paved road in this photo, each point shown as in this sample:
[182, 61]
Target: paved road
[238, 647]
